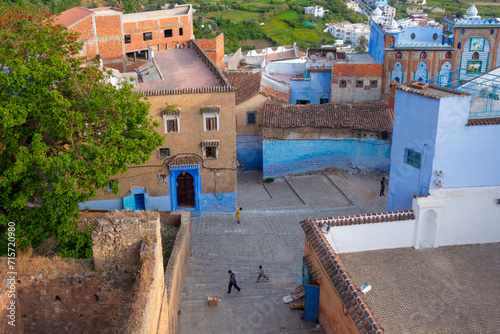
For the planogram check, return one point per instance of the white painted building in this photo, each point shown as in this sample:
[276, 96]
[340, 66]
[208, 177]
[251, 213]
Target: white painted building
[348, 31]
[453, 216]
[352, 5]
[317, 11]
[387, 11]
[417, 20]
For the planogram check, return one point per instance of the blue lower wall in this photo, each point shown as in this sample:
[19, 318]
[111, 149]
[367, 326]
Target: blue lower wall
[220, 203]
[161, 203]
[282, 157]
[249, 151]
[225, 202]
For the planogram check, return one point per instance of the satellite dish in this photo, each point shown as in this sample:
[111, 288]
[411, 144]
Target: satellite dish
[330, 56]
[313, 57]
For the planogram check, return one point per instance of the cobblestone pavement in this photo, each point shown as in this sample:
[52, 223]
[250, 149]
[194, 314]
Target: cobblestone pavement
[269, 235]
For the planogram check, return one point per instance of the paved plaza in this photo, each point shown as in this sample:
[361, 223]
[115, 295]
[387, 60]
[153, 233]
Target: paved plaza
[269, 235]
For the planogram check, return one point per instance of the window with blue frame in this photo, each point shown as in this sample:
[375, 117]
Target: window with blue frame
[251, 117]
[324, 100]
[412, 157]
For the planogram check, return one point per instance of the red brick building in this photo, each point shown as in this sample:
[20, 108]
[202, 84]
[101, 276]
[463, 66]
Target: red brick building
[122, 40]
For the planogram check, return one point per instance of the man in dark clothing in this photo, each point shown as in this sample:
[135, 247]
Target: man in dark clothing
[232, 281]
[382, 186]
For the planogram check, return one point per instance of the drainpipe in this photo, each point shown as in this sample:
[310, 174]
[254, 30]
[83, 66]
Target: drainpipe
[422, 171]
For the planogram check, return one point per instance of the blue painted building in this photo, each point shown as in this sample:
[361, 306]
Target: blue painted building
[419, 53]
[302, 138]
[436, 144]
[313, 88]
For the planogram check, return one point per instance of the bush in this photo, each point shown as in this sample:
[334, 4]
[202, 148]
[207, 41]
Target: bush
[77, 245]
[269, 179]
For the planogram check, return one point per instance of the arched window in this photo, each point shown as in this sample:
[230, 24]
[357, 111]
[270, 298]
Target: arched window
[459, 45]
[423, 55]
[412, 35]
[475, 55]
[448, 55]
[399, 55]
[435, 36]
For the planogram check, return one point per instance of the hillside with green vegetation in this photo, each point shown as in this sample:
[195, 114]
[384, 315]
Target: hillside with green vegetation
[453, 8]
[260, 23]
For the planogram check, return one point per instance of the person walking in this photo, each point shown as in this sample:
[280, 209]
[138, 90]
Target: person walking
[382, 186]
[261, 274]
[238, 214]
[232, 281]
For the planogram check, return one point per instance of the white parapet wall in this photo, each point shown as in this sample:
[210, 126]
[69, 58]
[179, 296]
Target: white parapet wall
[455, 216]
[366, 237]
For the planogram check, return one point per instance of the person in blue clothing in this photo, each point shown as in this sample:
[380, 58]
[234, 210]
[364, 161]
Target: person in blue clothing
[232, 281]
[382, 186]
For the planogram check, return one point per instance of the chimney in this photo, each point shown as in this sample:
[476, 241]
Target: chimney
[392, 93]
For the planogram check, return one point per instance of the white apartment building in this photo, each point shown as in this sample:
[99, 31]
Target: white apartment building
[348, 31]
[352, 5]
[387, 11]
[417, 20]
[317, 11]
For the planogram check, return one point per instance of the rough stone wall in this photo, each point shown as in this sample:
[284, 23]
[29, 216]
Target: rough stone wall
[5, 302]
[117, 239]
[88, 304]
[318, 133]
[175, 273]
[148, 289]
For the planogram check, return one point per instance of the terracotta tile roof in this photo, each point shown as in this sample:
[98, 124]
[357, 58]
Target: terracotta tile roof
[313, 271]
[72, 16]
[432, 91]
[183, 160]
[484, 121]
[368, 218]
[352, 298]
[247, 84]
[375, 117]
[276, 95]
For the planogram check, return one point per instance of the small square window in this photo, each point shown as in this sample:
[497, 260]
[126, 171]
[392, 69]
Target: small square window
[181, 31]
[164, 153]
[128, 40]
[251, 117]
[303, 101]
[342, 84]
[211, 152]
[323, 100]
[412, 157]
[167, 33]
[359, 83]
[163, 178]
[373, 83]
[147, 36]
[211, 123]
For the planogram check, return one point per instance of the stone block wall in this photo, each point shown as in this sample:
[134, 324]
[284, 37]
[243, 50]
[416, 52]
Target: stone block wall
[89, 304]
[148, 289]
[117, 239]
[175, 273]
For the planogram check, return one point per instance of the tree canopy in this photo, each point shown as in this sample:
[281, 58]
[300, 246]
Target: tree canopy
[64, 130]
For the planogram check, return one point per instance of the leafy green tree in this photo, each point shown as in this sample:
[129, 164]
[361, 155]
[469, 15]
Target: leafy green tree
[64, 131]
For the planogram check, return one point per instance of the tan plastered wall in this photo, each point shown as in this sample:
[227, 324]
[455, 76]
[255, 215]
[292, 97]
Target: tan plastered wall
[187, 141]
[175, 274]
[331, 307]
[255, 103]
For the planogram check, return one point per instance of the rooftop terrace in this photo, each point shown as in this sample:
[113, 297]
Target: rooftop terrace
[179, 68]
[450, 289]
